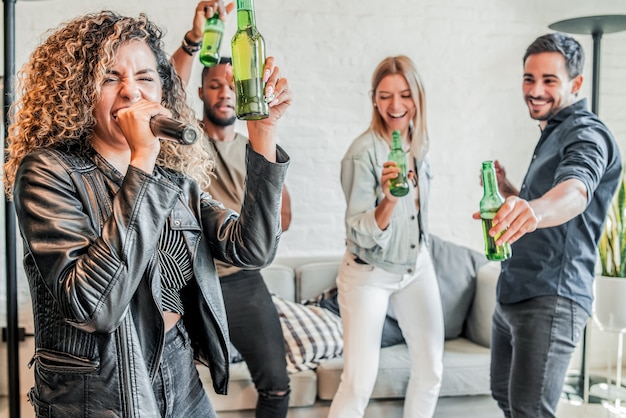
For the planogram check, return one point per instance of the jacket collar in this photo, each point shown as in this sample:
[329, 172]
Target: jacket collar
[107, 169]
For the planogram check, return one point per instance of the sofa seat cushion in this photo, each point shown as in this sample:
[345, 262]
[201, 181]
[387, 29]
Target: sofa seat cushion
[465, 369]
[393, 374]
[243, 395]
[465, 365]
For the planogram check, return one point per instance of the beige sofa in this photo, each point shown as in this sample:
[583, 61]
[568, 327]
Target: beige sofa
[466, 356]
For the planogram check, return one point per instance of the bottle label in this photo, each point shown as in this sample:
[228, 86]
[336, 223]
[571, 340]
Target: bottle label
[250, 101]
[211, 41]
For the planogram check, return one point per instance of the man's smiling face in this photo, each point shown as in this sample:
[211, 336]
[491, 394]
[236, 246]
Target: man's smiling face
[547, 86]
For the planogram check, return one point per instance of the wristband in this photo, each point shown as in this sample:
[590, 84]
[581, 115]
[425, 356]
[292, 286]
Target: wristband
[189, 46]
[190, 42]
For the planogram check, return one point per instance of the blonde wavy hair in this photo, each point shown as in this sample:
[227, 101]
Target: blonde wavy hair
[403, 65]
[59, 87]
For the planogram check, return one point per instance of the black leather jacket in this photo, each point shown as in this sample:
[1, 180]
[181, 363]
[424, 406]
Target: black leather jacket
[90, 238]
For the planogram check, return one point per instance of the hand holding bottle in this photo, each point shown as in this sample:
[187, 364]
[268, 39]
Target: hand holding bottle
[398, 186]
[515, 218]
[490, 203]
[390, 172]
[263, 132]
[277, 93]
[185, 55]
[205, 10]
[385, 208]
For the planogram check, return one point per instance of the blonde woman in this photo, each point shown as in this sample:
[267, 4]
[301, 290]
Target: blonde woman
[387, 264]
[119, 239]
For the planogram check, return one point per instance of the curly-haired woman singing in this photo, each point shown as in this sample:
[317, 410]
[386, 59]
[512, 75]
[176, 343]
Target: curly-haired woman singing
[119, 239]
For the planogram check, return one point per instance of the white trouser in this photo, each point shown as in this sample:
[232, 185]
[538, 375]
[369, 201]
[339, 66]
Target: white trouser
[365, 293]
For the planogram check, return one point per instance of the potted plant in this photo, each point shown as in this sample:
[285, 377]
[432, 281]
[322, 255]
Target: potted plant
[610, 292]
[610, 309]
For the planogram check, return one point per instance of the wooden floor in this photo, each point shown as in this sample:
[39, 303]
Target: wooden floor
[452, 407]
[464, 406]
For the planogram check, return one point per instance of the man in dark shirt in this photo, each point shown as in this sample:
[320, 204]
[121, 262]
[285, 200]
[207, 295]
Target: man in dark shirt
[553, 222]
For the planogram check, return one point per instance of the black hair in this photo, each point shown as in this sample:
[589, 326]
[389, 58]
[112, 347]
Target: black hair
[564, 45]
[222, 61]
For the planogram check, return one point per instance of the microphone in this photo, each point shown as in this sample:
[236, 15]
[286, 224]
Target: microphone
[169, 128]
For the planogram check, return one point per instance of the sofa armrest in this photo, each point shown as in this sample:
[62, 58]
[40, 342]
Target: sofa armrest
[478, 323]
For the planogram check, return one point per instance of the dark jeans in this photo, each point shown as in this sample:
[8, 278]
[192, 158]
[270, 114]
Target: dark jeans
[177, 386]
[531, 346]
[256, 333]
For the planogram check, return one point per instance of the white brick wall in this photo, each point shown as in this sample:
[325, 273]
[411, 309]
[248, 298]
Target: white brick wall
[469, 56]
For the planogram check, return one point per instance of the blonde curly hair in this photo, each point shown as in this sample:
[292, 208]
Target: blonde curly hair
[59, 87]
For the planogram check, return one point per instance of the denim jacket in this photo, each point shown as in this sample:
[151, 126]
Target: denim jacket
[394, 249]
[90, 239]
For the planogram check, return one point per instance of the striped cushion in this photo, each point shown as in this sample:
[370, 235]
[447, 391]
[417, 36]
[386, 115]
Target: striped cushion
[312, 334]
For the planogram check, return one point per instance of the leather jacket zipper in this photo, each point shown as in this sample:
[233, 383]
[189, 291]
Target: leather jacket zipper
[156, 365]
[127, 396]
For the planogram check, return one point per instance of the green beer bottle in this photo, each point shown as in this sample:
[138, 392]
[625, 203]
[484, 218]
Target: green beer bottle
[211, 41]
[398, 186]
[489, 205]
[248, 58]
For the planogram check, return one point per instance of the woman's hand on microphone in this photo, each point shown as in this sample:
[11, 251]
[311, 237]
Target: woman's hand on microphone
[134, 122]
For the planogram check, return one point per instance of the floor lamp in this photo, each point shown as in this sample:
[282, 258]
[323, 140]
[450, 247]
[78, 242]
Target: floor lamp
[10, 224]
[596, 26]
[12, 333]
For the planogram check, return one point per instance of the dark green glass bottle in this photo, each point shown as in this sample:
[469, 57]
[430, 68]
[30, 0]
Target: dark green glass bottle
[398, 186]
[489, 205]
[211, 41]
[248, 49]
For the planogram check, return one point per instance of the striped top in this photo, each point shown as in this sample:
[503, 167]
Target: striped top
[176, 270]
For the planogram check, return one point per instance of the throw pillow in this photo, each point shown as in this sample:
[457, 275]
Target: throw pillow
[312, 334]
[392, 334]
[456, 268]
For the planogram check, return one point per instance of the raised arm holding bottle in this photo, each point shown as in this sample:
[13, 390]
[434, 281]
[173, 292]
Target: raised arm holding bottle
[193, 39]
[251, 314]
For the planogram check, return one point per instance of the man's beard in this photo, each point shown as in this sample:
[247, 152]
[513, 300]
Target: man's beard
[543, 117]
[217, 121]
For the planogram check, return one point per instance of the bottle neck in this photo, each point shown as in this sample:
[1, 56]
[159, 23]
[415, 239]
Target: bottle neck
[245, 14]
[213, 21]
[396, 141]
[490, 182]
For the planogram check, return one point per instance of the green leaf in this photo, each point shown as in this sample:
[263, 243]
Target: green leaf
[612, 244]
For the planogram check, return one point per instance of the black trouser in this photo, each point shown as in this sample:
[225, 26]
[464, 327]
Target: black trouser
[256, 333]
